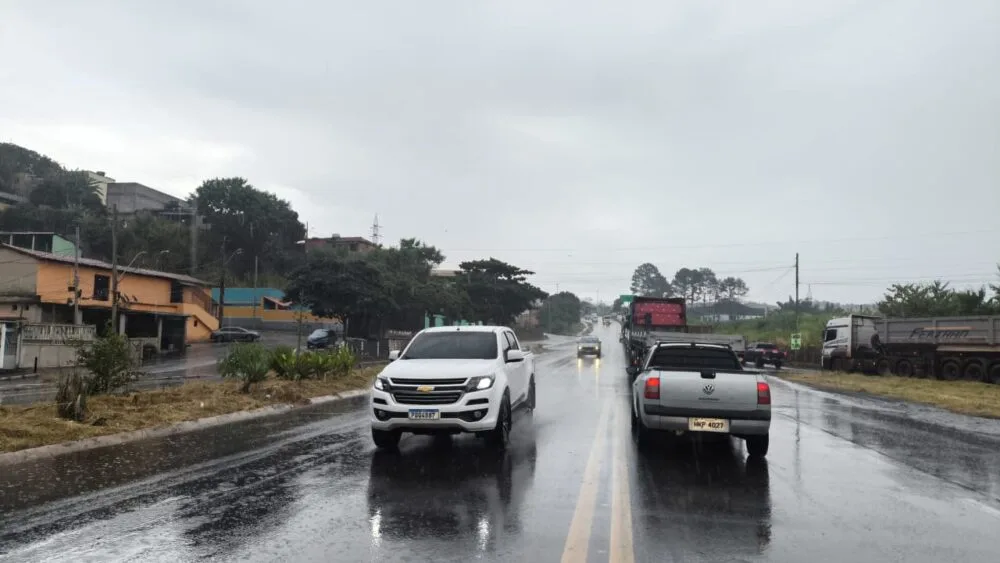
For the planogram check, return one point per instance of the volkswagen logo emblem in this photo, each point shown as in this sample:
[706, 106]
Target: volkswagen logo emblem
[708, 389]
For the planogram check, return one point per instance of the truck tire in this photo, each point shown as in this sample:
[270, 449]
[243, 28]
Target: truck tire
[777, 365]
[950, 370]
[386, 439]
[759, 364]
[757, 445]
[499, 437]
[994, 376]
[904, 368]
[883, 367]
[640, 433]
[975, 370]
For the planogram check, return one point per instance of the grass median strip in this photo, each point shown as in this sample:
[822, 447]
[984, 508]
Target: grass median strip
[30, 426]
[963, 397]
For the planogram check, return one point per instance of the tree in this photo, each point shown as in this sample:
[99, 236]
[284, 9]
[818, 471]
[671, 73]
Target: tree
[647, 281]
[686, 283]
[256, 221]
[497, 291]
[560, 313]
[337, 286]
[706, 284]
[732, 289]
[67, 190]
[935, 299]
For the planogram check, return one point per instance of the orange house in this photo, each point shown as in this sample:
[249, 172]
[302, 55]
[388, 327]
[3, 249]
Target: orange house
[163, 309]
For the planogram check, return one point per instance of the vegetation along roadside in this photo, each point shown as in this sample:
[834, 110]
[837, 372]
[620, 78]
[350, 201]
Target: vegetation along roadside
[98, 402]
[962, 397]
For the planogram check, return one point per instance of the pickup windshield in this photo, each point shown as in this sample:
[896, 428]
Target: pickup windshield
[686, 358]
[767, 346]
[452, 346]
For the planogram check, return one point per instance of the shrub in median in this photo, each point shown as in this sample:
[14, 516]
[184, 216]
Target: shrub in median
[246, 362]
[71, 396]
[284, 364]
[111, 364]
[342, 362]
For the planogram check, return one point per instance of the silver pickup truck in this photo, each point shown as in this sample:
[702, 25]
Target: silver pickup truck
[693, 387]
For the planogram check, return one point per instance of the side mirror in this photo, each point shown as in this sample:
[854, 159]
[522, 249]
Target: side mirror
[393, 355]
[632, 370]
[514, 356]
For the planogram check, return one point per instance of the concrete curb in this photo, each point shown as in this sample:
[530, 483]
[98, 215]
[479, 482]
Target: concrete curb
[18, 377]
[52, 450]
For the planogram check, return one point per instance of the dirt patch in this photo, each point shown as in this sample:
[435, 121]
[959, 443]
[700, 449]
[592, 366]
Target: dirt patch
[24, 427]
[963, 397]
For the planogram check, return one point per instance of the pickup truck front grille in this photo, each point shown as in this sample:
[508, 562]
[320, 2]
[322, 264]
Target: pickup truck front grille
[441, 381]
[429, 398]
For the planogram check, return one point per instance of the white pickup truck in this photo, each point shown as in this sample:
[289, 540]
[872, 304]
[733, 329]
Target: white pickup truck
[696, 387]
[450, 380]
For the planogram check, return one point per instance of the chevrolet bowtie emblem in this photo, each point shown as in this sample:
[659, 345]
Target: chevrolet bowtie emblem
[425, 388]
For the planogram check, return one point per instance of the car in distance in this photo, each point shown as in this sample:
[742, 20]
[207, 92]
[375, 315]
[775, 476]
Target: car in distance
[760, 353]
[451, 380]
[235, 334]
[694, 388]
[588, 346]
[321, 338]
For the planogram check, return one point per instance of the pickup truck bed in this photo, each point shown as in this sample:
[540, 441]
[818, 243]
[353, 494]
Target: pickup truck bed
[694, 388]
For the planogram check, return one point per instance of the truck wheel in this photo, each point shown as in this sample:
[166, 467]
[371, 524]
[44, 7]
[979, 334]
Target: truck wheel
[904, 368]
[975, 370]
[757, 445]
[777, 365]
[995, 374]
[386, 439]
[882, 367]
[499, 437]
[759, 364]
[640, 433]
[950, 370]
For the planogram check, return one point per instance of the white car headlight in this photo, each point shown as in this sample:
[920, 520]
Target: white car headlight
[479, 383]
[379, 384]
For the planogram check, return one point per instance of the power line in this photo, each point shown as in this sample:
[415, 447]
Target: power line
[908, 236]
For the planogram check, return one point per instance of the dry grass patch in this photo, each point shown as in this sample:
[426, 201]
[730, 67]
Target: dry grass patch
[963, 397]
[24, 427]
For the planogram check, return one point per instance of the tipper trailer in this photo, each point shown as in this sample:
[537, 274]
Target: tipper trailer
[949, 348]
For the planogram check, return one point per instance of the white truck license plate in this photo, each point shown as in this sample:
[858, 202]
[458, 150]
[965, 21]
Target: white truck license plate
[424, 414]
[708, 425]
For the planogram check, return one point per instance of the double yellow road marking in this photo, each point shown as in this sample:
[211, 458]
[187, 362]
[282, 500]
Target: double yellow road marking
[578, 539]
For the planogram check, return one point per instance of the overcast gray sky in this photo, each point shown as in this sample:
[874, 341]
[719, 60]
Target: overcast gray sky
[566, 138]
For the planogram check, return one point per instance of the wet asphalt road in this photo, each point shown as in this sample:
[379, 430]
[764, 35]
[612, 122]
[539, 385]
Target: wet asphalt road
[846, 480]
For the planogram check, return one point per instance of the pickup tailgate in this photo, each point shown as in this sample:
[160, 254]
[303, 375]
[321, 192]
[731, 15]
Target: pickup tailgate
[707, 390]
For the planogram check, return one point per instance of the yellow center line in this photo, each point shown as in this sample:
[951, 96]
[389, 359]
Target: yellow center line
[621, 550]
[575, 550]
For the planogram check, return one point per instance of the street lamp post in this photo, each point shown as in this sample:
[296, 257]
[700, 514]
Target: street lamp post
[222, 281]
[115, 280]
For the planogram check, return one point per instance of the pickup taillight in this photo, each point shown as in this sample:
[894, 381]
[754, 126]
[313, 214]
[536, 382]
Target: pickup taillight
[652, 390]
[763, 393]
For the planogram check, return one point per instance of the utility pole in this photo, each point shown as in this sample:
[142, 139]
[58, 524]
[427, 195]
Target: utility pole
[76, 277]
[114, 269]
[194, 234]
[796, 292]
[302, 298]
[255, 296]
[222, 285]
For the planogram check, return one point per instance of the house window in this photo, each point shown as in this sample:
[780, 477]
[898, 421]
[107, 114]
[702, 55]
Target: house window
[102, 287]
[176, 292]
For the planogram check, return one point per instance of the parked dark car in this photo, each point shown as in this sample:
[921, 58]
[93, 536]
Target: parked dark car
[760, 353]
[235, 334]
[588, 346]
[321, 338]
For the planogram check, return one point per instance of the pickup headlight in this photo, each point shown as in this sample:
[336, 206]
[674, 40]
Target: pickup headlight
[479, 383]
[381, 384]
